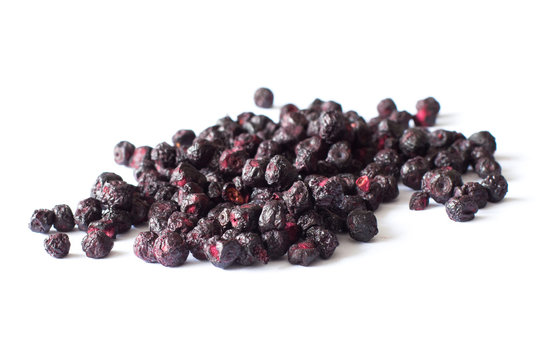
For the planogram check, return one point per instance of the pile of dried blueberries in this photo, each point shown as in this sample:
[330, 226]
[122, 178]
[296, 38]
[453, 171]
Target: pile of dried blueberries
[250, 190]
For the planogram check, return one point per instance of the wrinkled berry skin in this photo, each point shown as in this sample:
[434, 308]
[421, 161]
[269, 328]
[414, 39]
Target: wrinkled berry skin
[486, 166]
[251, 249]
[414, 142]
[386, 107]
[497, 187]
[140, 155]
[419, 200]
[474, 189]
[280, 172]
[302, 253]
[183, 138]
[325, 241]
[107, 226]
[123, 151]
[332, 126]
[253, 172]
[245, 217]
[57, 245]
[273, 216]
[298, 198]
[181, 222]
[461, 208]
[41, 221]
[196, 238]
[264, 98]
[439, 184]
[63, 218]
[221, 253]
[88, 211]
[143, 247]
[97, 244]
[195, 204]
[276, 243]
[170, 249]
[427, 111]
[362, 225]
[484, 139]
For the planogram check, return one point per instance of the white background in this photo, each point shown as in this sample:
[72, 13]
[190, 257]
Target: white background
[77, 77]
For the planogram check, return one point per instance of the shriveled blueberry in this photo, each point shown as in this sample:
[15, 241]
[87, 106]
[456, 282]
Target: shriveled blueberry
[325, 240]
[171, 249]
[386, 107]
[461, 208]
[88, 211]
[245, 217]
[264, 98]
[484, 139]
[497, 187]
[57, 245]
[143, 247]
[362, 225]
[251, 249]
[123, 151]
[427, 111]
[97, 244]
[474, 189]
[273, 216]
[303, 253]
[419, 200]
[41, 221]
[276, 243]
[221, 253]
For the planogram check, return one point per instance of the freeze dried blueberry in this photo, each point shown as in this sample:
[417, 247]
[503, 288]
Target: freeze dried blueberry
[485, 140]
[478, 153]
[497, 187]
[195, 204]
[325, 240]
[253, 172]
[303, 253]
[245, 217]
[246, 142]
[41, 221]
[297, 198]
[288, 136]
[200, 152]
[121, 219]
[280, 172]
[487, 166]
[97, 188]
[332, 221]
[386, 107]
[97, 244]
[414, 142]
[273, 216]
[309, 219]
[440, 185]
[267, 149]
[348, 183]
[221, 253]
[222, 213]
[362, 225]
[340, 155]
[474, 189]
[123, 151]
[332, 126]
[264, 98]
[143, 247]
[325, 191]
[170, 249]
[251, 249]
[184, 173]
[231, 194]
[286, 110]
[306, 161]
[164, 155]
[140, 155]
[196, 238]
[139, 210]
[88, 210]
[168, 192]
[181, 222]
[232, 161]
[389, 187]
[107, 226]
[188, 188]
[183, 138]
[57, 245]
[427, 111]
[449, 158]
[116, 194]
[372, 192]
[461, 208]
[387, 157]
[402, 118]
[276, 243]
[419, 200]
[442, 138]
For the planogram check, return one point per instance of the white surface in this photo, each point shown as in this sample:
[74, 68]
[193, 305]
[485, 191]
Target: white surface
[77, 78]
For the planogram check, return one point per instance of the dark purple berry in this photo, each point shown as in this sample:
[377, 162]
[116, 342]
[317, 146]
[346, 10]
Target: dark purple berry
[232, 161]
[88, 210]
[251, 249]
[303, 253]
[287, 110]
[57, 245]
[253, 172]
[121, 219]
[107, 226]
[486, 166]
[474, 189]
[264, 98]
[325, 240]
[497, 187]
[484, 139]
[221, 253]
[280, 172]
[276, 242]
[298, 198]
[42, 220]
[309, 219]
[267, 149]
[414, 142]
[427, 111]
[340, 155]
[103, 178]
[419, 200]
[184, 173]
[389, 187]
[116, 194]
[140, 155]
[123, 151]
[180, 222]
[143, 247]
[195, 204]
[164, 155]
[386, 107]
[273, 216]
[245, 217]
[461, 208]
[439, 184]
[171, 249]
[200, 152]
[332, 126]
[183, 138]
[97, 244]
[362, 225]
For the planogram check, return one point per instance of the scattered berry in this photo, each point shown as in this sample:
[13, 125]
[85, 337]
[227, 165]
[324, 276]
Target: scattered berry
[57, 245]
